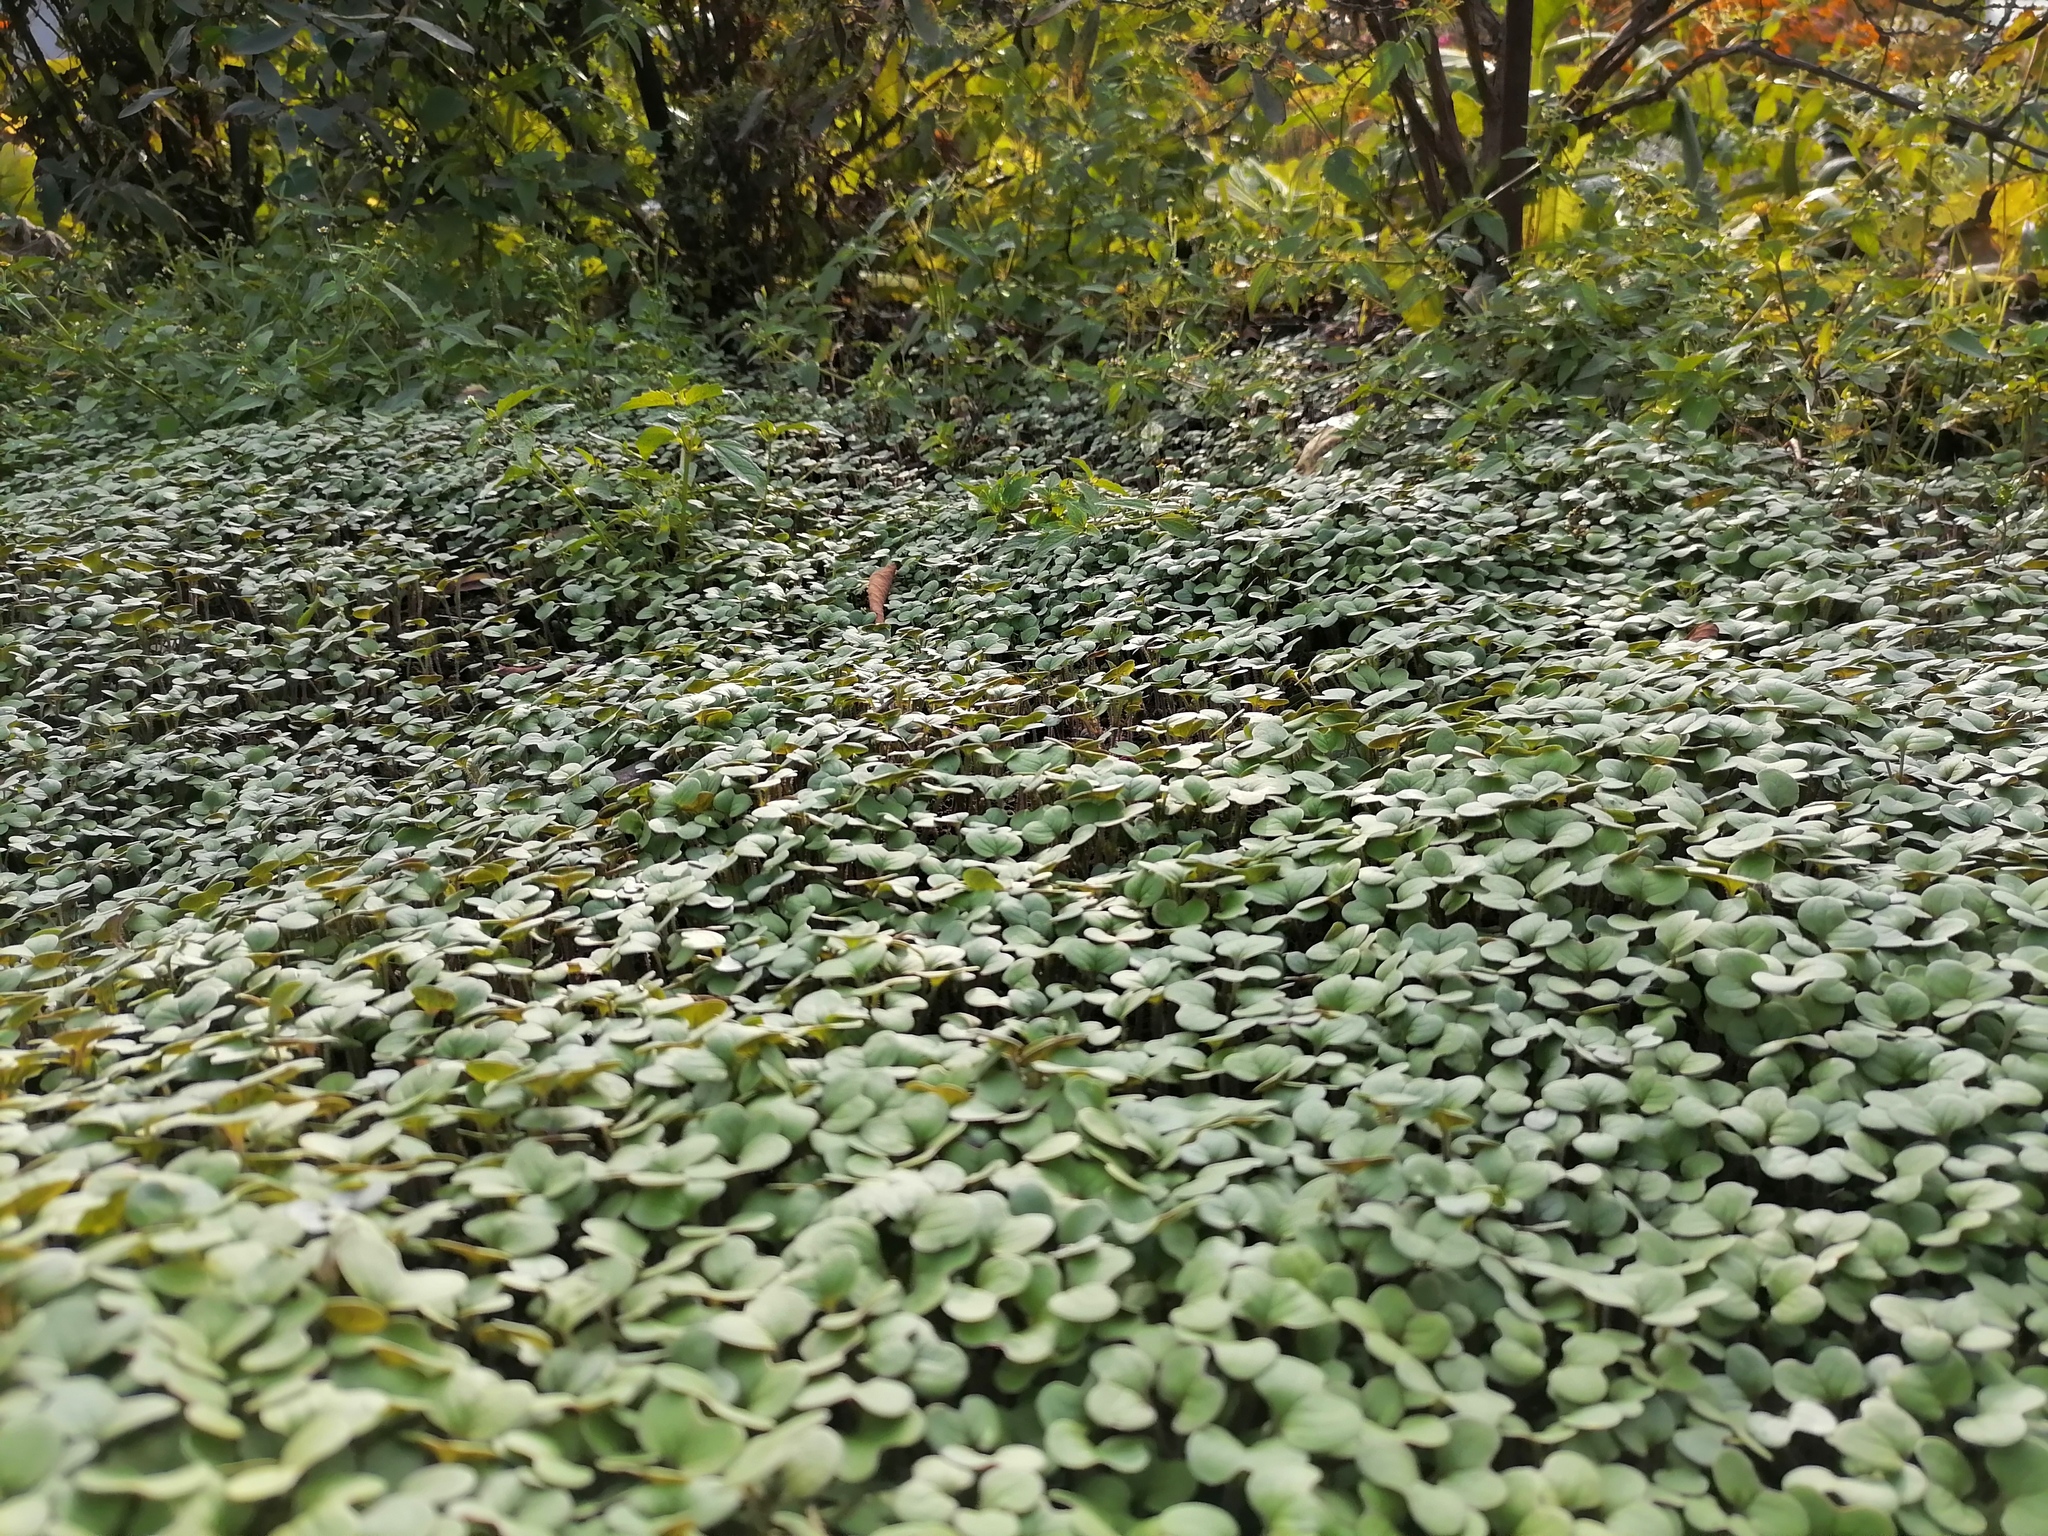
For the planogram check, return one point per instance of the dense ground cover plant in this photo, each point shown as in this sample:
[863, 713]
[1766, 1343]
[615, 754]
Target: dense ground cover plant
[950, 937]
[1483, 988]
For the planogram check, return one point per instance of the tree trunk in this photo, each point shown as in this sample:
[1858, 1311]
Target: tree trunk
[653, 98]
[1513, 170]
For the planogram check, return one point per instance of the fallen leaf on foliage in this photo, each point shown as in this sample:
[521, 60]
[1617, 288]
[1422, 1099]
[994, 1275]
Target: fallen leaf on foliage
[1704, 632]
[1317, 449]
[878, 591]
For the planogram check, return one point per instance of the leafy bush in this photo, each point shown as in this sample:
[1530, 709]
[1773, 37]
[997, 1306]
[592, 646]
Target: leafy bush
[1489, 990]
[1764, 330]
[385, 320]
[1060, 177]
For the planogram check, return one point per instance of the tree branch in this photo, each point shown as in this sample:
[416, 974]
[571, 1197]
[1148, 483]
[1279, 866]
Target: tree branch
[1992, 132]
[1593, 120]
[1475, 39]
[1450, 144]
[1590, 121]
[1645, 24]
[1422, 145]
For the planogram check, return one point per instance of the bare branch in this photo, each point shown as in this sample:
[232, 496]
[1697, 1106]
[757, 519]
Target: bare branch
[1473, 26]
[1599, 117]
[1421, 135]
[1450, 142]
[1607, 63]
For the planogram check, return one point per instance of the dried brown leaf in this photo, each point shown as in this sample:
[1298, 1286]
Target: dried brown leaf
[878, 591]
[1317, 449]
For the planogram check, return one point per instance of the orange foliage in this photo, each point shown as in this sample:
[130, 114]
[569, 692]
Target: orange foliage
[1881, 36]
[1807, 27]
[1811, 28]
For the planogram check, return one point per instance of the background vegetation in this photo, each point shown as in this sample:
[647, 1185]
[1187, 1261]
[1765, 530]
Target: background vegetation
[1102, 770]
